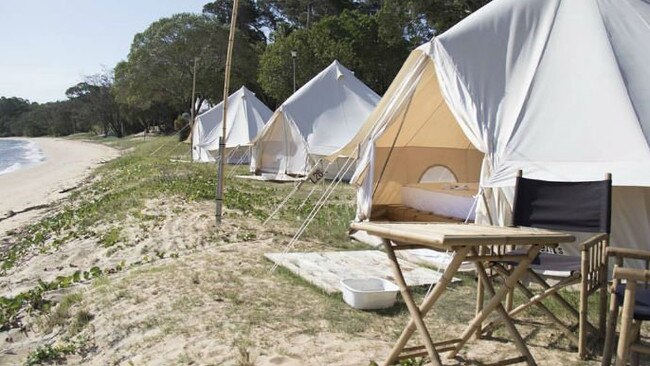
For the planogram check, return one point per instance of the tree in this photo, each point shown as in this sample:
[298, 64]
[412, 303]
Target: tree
[303, 13]
[10, 110]
[420, 20]
[353, 38]
[96, 95]
[251, 19]
[160, 65]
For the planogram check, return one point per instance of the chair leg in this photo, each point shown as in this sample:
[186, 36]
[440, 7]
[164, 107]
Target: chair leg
[636, 332]
[602, 311]
[610, 335]
[584, 297]
[510, 296]
[627, 314]
[582, 321]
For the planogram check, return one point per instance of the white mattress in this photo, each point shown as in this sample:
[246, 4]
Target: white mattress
[454, 200]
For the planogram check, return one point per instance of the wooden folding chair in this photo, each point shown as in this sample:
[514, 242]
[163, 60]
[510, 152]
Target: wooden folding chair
[635, 302]
[567, 206]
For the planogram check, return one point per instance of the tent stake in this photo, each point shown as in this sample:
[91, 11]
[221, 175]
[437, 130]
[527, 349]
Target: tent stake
[226, 85]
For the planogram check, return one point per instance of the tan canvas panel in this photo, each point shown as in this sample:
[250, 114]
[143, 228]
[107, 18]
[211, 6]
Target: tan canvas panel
[424, 133]
[425, 120]
[405, 165]
[349, 149]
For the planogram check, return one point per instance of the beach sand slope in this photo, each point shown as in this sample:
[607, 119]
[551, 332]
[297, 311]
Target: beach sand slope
[66, 164]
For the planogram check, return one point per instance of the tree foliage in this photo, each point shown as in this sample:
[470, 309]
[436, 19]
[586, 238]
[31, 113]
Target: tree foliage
[353, 38]
[10, 110]
[153, 86]
[160, 65]
[95, 99]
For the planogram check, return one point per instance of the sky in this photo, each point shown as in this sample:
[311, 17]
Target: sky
[47, 46]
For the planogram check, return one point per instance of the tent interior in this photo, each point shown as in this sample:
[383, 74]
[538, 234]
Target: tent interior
[425, 168]
[424, 133]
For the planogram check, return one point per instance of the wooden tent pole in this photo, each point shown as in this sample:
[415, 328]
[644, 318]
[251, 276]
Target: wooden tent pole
[193, 107]
[226, 86]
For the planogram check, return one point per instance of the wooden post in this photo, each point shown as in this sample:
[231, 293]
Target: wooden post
[602, 306]
[226, 87]
[582, 321]
[193, 107]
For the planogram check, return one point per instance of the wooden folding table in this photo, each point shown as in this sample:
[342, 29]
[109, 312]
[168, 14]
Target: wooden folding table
[464, 241]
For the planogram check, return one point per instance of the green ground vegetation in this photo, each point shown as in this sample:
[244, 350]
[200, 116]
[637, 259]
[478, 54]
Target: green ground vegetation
[153, 168]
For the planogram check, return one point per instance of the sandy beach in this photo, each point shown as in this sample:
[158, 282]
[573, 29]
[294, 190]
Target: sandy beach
[132, 269]
[66, 164]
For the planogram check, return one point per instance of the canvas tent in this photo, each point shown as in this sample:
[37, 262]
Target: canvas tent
[246, 117]
[316, 120]
[557, 88]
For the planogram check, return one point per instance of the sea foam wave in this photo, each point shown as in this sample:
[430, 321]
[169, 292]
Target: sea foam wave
[30, 154]
[33, 153]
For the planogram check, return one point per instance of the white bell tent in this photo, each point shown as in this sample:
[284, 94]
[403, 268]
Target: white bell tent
[246, 117]
[316, 120]
[557, 88]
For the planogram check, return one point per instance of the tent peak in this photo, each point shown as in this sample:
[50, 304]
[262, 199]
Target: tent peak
[244, 91]
[341, 70]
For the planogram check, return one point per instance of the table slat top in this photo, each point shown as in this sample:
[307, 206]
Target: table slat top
[449, 235]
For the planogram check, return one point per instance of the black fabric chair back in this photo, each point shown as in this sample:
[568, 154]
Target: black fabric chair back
[568, 206]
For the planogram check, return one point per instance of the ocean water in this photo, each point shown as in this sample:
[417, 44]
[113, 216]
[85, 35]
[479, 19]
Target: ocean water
[17, 154]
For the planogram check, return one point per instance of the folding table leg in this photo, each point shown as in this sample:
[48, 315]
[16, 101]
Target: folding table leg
[427, 303]
[416, 316]
[480, 298]
[495, 304]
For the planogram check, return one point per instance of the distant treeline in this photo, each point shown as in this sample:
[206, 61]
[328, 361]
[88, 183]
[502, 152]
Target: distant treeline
[153, 86]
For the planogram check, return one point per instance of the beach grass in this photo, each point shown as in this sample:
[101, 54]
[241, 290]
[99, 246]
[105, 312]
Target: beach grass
[222, 279]
[152, 169]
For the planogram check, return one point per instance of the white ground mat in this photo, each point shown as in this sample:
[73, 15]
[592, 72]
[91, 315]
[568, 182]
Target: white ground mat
[325, 270]
[425, 257]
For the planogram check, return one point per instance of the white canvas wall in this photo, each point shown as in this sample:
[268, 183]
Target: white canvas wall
[316, 120]
[246, 117]
[557, 88]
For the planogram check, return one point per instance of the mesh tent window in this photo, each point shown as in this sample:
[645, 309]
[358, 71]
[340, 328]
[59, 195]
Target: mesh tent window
[438, 174]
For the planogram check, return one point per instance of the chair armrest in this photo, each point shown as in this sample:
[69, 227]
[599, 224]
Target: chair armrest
[628, 253]
[589, 243]
[631, 274]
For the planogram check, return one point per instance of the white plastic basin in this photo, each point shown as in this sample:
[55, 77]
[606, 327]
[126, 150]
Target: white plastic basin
[369, 293]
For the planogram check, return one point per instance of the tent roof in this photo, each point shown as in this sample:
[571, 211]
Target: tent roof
[559, 88]
[328, 110]
[246, 117]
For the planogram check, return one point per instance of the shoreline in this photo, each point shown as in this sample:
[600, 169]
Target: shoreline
[27, 191]
[36, 156]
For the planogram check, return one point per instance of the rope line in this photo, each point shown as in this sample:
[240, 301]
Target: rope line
[319, 204]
